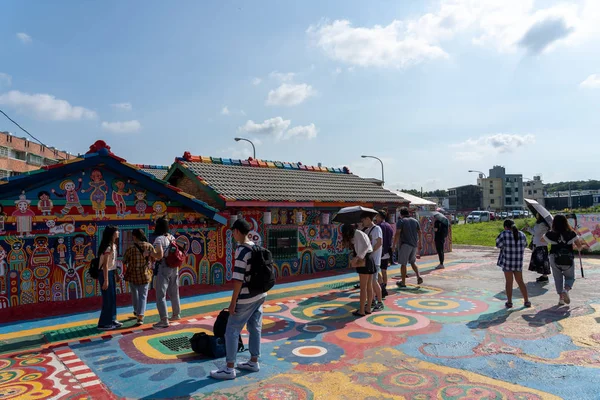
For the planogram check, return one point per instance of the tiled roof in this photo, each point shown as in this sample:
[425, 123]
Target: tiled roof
[158, 171]
[257, 180]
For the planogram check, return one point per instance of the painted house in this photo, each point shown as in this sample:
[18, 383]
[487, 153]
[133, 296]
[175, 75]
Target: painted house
[52, 219]
[290, 205]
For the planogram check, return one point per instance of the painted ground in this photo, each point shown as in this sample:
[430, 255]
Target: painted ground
[451, 338]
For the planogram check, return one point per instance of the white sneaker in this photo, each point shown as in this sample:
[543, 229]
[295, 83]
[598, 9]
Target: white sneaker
[249, 366]
[566, 297]
[561, 301]
[223, 374]
[161, 324]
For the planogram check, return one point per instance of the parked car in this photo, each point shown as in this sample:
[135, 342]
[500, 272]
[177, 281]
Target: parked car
[478, 216]
[518, 213]
[503, 215]
[453, 219]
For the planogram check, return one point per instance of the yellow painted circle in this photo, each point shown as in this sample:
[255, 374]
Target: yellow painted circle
[391, 320]
[433, 304]
[272, 309]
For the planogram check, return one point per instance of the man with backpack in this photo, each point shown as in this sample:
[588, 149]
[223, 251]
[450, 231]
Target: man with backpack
[253, 276]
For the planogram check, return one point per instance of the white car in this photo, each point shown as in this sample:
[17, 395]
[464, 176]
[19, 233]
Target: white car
[503, 215]
[478, 216]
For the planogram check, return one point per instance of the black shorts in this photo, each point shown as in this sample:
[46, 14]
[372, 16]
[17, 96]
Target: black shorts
[369, 268]
[385, 263]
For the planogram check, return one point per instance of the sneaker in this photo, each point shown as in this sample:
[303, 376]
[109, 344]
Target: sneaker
[378, 307]
[441, 266]
[400, 284]
[223, 374]
[384, 293]
[107, 328]
[542, 279]
[566, 297]
[117, 324]
[561, 300]
[175, 318]
[357, 286]
[161, 324]
[249, 366]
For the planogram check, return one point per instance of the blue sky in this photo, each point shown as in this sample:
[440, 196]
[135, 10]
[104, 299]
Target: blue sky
[434, 88]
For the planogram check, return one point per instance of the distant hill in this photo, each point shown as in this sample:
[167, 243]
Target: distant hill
[575, 185]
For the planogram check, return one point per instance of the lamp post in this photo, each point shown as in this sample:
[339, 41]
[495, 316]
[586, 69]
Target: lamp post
[484, 176]
[237, 139]
[382, 175]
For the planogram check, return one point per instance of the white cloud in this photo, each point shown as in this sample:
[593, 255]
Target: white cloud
[279, 129]
[45, 106]
[24, 38]
[290, 94]
[256, 81]
[225, 111]
[337, 71]
[122, 126]
[303, 132]
[591, 82]
[5, 80]
[283, 76]
[484, 146]
[122, 106]
[504, 25]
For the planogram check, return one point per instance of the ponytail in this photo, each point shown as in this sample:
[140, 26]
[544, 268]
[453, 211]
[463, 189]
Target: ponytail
[515, 232]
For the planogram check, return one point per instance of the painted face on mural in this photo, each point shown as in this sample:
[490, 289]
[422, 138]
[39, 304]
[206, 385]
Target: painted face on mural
[2, 254]
[96, 175]
[69, 186]
[140, 195]
[61, 240]
[40, 242]
[79, 240]
[44, 197]
[23, 206]
[120, 185]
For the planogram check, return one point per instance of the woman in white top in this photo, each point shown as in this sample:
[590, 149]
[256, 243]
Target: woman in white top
[361, 244]
[106, 277]
[539, 258]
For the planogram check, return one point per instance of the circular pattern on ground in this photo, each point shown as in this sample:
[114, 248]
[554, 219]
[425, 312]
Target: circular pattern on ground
[449, 306]
[519, 331]
[275, 308]
[315, 328]
[413, 381]
[275, 325]
[280, 391]
[393, 321]
[323, 311]
[358, 336]
[471, 392]
[308, 352]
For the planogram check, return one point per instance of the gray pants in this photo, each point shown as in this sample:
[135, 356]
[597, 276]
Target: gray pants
[562, 278]
[167, 283]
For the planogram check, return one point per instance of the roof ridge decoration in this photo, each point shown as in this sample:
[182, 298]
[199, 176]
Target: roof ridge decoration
[257, 163]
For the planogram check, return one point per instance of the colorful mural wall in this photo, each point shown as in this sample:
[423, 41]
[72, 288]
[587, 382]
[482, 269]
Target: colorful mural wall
[588, 227]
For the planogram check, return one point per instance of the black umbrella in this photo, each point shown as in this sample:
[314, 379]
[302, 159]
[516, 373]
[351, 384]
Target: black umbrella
[441, 217]
[351, 215]
[537, 208]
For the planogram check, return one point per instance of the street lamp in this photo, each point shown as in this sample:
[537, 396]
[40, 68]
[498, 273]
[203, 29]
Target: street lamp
[378, 159]
[237, 139]
[484, 176]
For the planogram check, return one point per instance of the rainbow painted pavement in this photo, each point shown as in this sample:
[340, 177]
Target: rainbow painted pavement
[450, 339]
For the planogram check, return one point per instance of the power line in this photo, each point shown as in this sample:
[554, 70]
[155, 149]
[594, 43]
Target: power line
[27, 132]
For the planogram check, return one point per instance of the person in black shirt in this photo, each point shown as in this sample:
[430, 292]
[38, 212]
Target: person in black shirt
[563, 241]
[440, 227]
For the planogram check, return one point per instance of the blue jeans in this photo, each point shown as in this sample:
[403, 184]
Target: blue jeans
[167, 282]
[562, 278]
[109, 300]
[245, 314]
[139, 297]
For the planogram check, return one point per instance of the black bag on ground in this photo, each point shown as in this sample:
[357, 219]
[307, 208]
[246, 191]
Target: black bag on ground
[94, 269]
[262, 271]
[220, 327]
[208, 345]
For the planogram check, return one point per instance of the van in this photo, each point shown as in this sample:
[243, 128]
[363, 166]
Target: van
[479, 216]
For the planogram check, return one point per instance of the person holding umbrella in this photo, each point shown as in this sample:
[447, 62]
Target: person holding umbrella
[539, 258]
[361, 244]
[562, 258]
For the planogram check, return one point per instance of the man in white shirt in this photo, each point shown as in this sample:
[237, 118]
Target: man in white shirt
[376, 235]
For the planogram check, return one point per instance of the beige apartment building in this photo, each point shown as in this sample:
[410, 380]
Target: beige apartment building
[492, 190]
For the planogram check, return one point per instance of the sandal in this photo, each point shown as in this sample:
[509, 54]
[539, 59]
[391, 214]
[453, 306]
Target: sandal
[358, 314]
[419, 281]
[368, 313]
[508, 304]
[527, 304]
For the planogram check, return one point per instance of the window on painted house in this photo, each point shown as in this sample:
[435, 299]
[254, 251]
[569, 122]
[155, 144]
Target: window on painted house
[283, 243]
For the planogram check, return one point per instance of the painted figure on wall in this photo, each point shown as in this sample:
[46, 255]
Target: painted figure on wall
[3, 270]
[40, 255]
[71, 196]
[17, 259]
[140, 203]
[61, 249]
[118, 197]
[79, 248]
[159, 209]
[2, 220]
[27, 287]
[44, 204]
[23, 216]
[64, 228]
[99, 189]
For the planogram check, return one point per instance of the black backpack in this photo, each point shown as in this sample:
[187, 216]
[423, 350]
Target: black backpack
[94, 270]
[220, 327]
[208, 345]
[564, 254]
[262, 271]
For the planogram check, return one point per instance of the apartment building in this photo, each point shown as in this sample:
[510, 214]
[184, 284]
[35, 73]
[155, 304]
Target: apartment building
[18, 155]
[501, 191]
